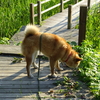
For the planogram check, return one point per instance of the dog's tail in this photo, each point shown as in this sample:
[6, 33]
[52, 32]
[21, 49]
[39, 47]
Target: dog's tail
[30, 30]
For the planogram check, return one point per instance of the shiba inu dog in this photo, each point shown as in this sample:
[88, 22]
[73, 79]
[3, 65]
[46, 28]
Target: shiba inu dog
[51, 45]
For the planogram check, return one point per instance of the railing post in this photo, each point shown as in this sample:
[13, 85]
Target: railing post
[39, 12]
[69, 16]
[31, 13]
[82, 24]
[61, 6]
[76, 1]
[89, 4]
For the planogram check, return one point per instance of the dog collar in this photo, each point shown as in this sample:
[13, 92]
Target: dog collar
[68, 57]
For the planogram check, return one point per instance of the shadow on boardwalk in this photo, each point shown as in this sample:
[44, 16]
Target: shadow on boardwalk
[15, 85]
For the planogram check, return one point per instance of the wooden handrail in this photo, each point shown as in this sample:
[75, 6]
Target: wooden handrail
[50, 8]
[42, 2]
[78, 3]
[53, 7]
[38, 5]
[73, 7]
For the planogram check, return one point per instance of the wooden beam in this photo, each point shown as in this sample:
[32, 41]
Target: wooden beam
[39, 12]
[82, 24]
[31, 13]
[89, 4]
[69, 16]
[10, 49]
[61, 6]
[76, 1]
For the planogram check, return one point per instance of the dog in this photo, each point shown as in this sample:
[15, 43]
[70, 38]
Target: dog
[54, 47]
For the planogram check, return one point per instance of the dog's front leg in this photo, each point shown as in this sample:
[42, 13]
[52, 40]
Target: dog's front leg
[57, 66]
[28, 66]
[52, 64]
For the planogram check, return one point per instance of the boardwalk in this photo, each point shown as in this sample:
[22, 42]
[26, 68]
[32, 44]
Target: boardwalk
[14, 83]
[57, 24]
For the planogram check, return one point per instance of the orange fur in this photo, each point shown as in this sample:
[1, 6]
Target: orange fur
[53, 46]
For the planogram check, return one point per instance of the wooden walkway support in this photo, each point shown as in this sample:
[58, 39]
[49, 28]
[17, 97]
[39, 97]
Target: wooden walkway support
[31, 13]
[39, 5]
[69, 16]
[82, 24]
[61, 5]
[58, 23]
[89, 4]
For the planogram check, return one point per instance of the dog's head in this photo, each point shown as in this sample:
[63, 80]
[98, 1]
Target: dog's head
[73, 60]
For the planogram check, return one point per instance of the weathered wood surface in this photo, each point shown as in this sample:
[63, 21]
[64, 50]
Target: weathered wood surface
[10, 49]
[15, 85]
[56, 24]
[69, 35]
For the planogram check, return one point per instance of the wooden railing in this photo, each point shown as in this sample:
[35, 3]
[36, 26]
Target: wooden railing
[70, 9]
[82, 19]
[82, 16]
[39, 12]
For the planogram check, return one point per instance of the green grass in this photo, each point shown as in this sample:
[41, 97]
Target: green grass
[15, 14]
[93, 26]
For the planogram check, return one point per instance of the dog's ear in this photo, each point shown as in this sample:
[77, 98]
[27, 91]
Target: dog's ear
[78, 59]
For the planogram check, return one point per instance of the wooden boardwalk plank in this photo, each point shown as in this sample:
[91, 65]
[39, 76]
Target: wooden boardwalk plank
[10, 49]
[18, 96]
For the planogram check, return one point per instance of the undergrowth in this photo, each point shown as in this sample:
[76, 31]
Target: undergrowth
[90, 52]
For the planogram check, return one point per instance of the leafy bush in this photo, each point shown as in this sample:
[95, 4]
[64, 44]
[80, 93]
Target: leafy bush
[90, 52]
[4, 40]
[90, 67]
[93, 26]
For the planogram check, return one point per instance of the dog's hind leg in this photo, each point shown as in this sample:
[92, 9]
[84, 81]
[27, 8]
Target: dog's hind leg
[28, 65]
[33, 59]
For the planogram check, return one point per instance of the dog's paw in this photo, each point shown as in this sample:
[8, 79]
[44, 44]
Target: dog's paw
[52, 76]
[60, 69]
[35, 66]
[31, 76]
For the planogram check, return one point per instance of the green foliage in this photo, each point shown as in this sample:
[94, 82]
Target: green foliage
[90, 52]
[4, 40]
[93, 26]
[70, 85]
[14, 14]
[90, 68]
